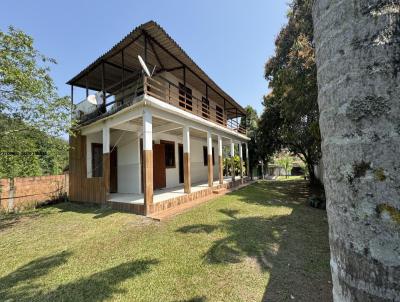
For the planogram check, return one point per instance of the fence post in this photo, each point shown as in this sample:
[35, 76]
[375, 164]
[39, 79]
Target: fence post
[11, 193]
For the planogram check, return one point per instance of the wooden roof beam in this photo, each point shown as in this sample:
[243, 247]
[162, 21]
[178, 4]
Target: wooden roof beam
[168, 52]
[96, 64]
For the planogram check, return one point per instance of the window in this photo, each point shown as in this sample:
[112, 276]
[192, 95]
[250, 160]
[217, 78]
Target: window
[97, 160]
[205, 108]
[185, 97]
[169, 153]
[220, 115]
[205, 156]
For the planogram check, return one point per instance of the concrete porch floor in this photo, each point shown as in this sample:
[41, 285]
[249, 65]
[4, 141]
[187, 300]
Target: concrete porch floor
[163, 194]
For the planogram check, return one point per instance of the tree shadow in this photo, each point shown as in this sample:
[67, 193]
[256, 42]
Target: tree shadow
[9, 220]
[99, 211]
[195, 299]
[24, 277]
[96, 287]
[198, 228]
[293, 247]
[229, 212]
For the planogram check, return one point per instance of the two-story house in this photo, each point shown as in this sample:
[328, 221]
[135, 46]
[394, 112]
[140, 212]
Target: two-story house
[148, 143]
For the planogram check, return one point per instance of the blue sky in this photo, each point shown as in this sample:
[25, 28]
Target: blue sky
[215, 33]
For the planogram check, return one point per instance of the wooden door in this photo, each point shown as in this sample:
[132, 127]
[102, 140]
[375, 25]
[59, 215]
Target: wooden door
[159, 177]
[114, 170]
[180, 156]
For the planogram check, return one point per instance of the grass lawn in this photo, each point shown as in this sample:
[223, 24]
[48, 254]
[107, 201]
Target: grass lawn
[260, 243]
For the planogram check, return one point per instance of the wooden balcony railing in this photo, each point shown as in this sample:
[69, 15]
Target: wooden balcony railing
[180, 97]
[166, 91]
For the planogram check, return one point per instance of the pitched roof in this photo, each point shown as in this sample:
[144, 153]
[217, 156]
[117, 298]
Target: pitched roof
[162, 49]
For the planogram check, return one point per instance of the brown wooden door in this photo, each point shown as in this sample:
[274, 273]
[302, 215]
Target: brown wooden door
[159, 178]
[114, 170]
[180, 155]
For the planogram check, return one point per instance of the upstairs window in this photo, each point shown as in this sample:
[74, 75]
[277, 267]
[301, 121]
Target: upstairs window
[219, 114]
[97, 160]
[205, 156]
[169, 153]
[185, 97]
[205, 108]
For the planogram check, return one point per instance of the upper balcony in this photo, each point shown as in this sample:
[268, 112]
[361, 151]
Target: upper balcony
[117, 80]
[167, 91]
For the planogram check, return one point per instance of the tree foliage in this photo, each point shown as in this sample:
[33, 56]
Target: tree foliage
[32, 115]
[290, 118]
[286, 163]
[27, 92]
[30, 153]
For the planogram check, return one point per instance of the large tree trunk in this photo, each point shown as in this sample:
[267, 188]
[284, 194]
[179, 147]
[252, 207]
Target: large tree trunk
[358, 60]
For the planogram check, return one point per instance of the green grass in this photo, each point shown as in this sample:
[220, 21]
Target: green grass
[260, 242]
[284, 178]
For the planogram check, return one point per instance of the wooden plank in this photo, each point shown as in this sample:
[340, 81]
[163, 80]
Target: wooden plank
[148, 180]
[210, 171]
[186, 172]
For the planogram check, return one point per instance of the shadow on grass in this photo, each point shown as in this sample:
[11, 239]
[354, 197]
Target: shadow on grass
[99, 211]
[293, 248]
[9, 220]
[195, 299]
[22, 285]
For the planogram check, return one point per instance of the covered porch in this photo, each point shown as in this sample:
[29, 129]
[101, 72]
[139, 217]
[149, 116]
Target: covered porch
[141, 175]
[162, 194]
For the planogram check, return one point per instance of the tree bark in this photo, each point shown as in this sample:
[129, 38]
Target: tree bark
[311, 174]
[358, 61]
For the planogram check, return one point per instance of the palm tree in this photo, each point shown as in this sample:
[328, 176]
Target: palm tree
[357, 51]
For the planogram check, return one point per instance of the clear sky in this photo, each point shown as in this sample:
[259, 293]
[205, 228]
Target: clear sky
[215, 33]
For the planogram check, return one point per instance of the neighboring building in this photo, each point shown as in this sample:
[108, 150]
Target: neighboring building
[151, 142]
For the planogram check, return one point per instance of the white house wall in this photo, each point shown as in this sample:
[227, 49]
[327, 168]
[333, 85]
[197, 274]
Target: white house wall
[198, 170]
[128, 158]
[129, 172]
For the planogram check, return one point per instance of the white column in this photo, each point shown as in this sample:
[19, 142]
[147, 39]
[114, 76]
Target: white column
[232, 160]
[106, 161]
[186, 160]
[209, 143]
[241, 159]
[209, 159]
[106, 139]
[247, 161]
[220, 161]
[147, 129]
[186, 139]
[148, 161]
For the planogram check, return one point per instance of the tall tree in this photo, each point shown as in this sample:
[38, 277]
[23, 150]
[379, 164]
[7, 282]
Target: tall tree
[358, 51]
[27, 92]
[290, 118]
[251, 124]
[32, 114]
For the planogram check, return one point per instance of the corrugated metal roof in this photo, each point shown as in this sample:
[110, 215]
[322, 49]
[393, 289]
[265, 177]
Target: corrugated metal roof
[161, 36]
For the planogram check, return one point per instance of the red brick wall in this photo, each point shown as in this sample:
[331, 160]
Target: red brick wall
[29, 191]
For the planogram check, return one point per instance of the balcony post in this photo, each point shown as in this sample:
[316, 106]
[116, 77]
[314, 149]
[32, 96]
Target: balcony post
[233, 160]
[220, 161]
[147, 160]
[247, 161]
[106, 161]
[241, 160]
[210, 159]
[186, 160]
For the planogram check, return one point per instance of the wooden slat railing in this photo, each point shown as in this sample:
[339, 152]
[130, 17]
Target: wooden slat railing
[166, 91]
[170, 93]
